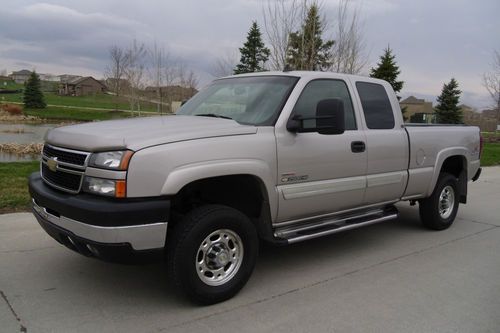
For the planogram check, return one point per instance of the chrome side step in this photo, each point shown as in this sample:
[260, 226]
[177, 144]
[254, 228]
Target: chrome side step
[323, 227]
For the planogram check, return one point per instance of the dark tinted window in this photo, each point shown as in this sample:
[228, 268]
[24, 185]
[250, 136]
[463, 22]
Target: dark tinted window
[318, 90]
[376, 105]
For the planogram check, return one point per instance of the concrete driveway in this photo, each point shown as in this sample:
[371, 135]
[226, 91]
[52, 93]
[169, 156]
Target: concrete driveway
[390, 277]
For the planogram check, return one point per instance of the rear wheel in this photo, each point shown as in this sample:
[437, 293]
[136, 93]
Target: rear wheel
[212, 252]
[438, 211]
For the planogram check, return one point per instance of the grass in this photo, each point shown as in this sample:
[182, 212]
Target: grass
[61, 113]
[10, 85]
[491, 154]
[14, 195]
[101, 101]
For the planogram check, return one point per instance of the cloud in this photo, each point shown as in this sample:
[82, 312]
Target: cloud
[48, 33]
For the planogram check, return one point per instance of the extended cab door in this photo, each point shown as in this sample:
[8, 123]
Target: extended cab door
[318, 173]
[386, 142]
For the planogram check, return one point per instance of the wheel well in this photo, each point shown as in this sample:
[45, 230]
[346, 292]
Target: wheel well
[245, 193]
[457, 166]
[454, 165]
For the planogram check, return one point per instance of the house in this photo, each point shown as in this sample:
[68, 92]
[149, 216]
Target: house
[49, 77]
[418, 110]
[82, 86]
[67, 77]
[20, 76]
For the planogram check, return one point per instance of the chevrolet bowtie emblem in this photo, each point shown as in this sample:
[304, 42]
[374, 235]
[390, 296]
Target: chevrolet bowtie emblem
[52, 164]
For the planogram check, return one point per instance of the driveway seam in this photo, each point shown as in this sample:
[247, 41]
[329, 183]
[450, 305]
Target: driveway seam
[22, 328]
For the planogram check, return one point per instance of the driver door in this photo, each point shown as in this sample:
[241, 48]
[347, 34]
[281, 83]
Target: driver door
[317, 173]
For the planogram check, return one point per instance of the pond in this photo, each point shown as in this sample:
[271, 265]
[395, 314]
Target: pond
[22, 133]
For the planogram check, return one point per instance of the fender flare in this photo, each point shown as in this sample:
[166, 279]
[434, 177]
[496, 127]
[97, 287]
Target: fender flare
[188, 173]
[440, 158]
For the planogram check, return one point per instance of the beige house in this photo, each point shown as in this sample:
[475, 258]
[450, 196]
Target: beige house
[21, 76]
[82, 86]
[418, 110]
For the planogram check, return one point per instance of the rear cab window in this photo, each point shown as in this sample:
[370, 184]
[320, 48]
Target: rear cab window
[376, 105]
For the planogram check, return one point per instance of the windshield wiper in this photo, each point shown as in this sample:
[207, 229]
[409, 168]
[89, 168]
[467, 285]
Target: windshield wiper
[213, 115]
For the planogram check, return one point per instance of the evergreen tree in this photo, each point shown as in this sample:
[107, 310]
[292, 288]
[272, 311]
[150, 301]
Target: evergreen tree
[253, 53]
[33, 96]
[307, 50]
[388, 70]
[447, 110]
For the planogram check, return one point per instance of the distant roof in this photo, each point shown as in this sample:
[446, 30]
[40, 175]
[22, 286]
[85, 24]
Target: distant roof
[22, 71]
[79, 80]
[412, 100]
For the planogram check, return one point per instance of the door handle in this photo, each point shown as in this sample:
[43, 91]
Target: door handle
[358, 146]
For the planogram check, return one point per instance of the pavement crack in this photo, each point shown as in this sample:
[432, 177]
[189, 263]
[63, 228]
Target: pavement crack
[336, 277]
[22, 328]
[28, 250]
[485, 223]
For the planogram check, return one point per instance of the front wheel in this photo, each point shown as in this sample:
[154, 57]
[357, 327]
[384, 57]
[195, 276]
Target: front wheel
[438, 211]
[212, 252]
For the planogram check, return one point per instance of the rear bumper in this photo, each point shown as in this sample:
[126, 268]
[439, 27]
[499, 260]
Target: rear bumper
[85, 223]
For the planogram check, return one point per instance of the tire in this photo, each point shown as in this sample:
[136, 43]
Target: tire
[438, 211]
[211, 253]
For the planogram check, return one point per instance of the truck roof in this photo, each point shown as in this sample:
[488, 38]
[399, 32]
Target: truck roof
[311, 75]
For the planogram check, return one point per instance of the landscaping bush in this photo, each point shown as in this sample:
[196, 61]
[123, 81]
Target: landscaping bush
[12, 109]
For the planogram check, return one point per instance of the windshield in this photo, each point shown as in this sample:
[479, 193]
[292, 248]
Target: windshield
[255, 100]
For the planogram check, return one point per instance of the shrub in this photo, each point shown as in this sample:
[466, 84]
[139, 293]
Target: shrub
[12, 109]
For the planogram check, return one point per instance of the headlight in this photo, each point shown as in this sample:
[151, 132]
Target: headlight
[107, 187]
[114, 160]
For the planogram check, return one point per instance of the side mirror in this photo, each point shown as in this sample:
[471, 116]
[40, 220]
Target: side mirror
[329, 119]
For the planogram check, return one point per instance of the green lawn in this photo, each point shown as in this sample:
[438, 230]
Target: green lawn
[61, 113]
[14, 194]
[102, 101]
[491, 154]
[10, 85]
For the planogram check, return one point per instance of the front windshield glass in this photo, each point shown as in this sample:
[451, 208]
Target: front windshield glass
[255, 100]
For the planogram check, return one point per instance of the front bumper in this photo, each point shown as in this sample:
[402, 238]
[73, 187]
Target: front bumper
[93, 225]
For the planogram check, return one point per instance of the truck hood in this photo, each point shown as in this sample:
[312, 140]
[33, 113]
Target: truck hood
[138, 133]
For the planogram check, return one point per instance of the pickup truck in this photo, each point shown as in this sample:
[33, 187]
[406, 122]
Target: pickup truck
[281, 157]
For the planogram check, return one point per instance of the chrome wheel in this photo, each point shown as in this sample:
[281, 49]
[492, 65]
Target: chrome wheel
[219, 257]
[446, 202]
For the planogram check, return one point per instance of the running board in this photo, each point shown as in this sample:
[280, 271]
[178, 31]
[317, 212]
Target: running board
[323, 227]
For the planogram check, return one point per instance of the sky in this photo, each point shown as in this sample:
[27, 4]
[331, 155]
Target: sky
[433, 40]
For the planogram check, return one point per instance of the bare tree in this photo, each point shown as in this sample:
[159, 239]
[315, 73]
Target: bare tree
[159, 60]
[224, 66]
[349, 54]
[115, 71]
[134, 73]
[3, 72]
[491, 81]
[281, 17]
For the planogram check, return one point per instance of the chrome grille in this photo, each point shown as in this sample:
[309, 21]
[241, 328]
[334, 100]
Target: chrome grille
[63, 168]
[66, 156]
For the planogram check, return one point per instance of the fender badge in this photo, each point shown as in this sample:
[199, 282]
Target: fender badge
[52, 164]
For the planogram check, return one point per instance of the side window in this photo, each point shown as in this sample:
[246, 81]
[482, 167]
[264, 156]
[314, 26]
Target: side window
[376, 105]
[318, 90]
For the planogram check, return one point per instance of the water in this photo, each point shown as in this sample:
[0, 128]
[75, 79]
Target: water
[22, 133]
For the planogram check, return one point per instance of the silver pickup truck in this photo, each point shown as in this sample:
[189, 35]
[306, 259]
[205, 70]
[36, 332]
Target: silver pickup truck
[282, 157]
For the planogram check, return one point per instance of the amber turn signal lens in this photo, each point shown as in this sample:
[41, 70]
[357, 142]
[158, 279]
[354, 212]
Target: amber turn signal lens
[126, 159]
[120, 189]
